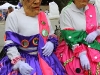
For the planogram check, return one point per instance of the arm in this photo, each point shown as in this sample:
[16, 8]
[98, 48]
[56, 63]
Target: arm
[12, 52]
[66, 24]
[65, 19]
[93, 35]
[11, 25]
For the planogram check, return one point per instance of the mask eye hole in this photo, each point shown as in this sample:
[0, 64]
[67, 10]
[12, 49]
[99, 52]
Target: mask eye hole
[25, 43]
[35, 41]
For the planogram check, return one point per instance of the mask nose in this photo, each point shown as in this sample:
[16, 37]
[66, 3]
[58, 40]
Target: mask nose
[37, 1]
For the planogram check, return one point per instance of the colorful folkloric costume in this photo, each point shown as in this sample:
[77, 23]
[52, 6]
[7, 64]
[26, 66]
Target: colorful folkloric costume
[76, 24]
[24, 37]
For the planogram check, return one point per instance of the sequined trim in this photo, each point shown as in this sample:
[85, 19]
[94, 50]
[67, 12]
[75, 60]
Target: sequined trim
[25, 43]
[69, 60]
[35, 41]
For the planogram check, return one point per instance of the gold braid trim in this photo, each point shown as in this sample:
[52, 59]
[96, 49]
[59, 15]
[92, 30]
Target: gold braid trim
[69, 60]
[98, 69]
[90, 73]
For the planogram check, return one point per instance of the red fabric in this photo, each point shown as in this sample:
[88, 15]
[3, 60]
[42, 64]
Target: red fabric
[64, 53]
[68, 29]
[78, 50]
[4, 37]
[98, 27]
[46, 70]
[98, 38]
[15, 60]
[13, 73]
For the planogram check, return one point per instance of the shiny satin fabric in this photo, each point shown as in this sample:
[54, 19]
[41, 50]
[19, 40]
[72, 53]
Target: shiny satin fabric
[33, 60]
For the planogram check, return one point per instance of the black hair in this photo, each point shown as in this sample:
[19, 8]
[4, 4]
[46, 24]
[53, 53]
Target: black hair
[10, 7]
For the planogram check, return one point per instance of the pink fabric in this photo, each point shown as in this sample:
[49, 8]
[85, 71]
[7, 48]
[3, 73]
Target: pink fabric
[91, 20]
[13, 73]
[79, 49]
[34, 73]
[64, 53]
[46, 69]
[42, 18]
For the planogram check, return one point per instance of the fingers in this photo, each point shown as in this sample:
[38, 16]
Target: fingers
[89, 40]
[49, 53]
[27, 72]
[29, 68]
[14, 67]
[25, 69]
[45, 51]
[48, 49]
[91, 37]
[44, 47]
[86, 66]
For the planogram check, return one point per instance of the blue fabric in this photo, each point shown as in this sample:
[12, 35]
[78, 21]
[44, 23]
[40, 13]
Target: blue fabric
[54, 41]
[32, 60]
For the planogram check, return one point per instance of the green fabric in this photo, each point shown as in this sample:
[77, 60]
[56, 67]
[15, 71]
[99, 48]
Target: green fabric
[70, 2]
[73, 37]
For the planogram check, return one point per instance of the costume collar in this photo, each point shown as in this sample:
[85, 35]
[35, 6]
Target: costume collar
[22, 10]
[75, 9]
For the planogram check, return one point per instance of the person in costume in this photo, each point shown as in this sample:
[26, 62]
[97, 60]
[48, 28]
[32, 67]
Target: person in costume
[30, 43]
[80, 46]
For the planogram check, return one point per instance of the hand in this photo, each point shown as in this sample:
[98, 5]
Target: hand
[23, 67]
[91, 36]
[84, 61]
[48, 48]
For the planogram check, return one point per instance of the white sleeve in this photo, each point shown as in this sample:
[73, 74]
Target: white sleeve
[11, 25]
[51, 28]
[98, 15]
[65, 20]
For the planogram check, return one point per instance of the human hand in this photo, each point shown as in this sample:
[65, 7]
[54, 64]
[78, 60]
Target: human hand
[91, 36]
[23, 67]
[84, 61]
[48, 48]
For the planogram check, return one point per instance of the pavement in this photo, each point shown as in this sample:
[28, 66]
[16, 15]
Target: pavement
[2, 31]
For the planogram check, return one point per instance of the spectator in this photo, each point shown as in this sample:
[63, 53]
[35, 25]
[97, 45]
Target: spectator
[1, 16]
[10, 9]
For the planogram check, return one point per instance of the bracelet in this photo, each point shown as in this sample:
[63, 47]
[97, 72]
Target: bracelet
[54, 40]
[14, 61]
